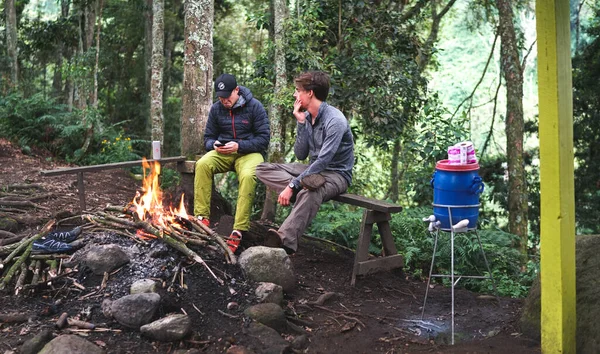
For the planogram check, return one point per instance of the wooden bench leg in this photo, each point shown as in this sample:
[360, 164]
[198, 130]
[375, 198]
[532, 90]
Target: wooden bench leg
[390, 258]
[362, 246]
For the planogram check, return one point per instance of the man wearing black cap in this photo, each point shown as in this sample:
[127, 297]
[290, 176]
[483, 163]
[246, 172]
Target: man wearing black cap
[236, 139]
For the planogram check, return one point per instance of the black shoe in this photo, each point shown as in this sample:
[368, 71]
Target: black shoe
[50, 246]
[313, 182]
[65, 236]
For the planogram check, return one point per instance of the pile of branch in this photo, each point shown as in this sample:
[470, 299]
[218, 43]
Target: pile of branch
[187, 231]
[19, 263]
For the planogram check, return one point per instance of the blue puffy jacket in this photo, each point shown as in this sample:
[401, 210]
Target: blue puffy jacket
[246, 123]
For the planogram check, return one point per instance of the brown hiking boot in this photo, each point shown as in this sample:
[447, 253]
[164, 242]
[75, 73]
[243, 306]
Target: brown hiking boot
[273, 240]
[313, 182]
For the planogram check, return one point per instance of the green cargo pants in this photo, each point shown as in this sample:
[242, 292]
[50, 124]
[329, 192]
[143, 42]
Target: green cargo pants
[244, 166]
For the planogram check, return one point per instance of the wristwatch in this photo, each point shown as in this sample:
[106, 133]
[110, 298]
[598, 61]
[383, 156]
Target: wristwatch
[292, 186]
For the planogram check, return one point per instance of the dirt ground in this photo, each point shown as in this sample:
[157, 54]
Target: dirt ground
[381, 314]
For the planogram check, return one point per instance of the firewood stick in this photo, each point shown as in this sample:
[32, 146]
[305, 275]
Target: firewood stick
[53, 268]
[80, 324]
[21, 278]
[188, 252]
[36, 273]
[10, 240]
[5, 250]
[6, 234]
[178, 234]
[25, 243]
[62, 320]
[48, 256]
[22, 203]
[177, 268]
[215, 237]
[25, 186]
[200, 235]
[11, 271]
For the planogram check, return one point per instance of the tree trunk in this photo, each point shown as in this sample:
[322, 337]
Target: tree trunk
[197, 74]
[148, 18]
[275, 109]
[156, 87]
[11, 41]
[94, 99]
[511, 69]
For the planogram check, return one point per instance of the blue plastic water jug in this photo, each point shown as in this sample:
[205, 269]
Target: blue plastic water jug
[456, 190]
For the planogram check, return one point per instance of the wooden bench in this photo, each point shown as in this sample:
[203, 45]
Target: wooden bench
[380, 213]
[376, 212]
[94, 168]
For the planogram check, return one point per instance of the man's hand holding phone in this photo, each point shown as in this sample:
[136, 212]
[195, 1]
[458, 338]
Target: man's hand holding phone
[226, 148]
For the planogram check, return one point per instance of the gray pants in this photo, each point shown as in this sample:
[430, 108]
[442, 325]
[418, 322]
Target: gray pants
[278, 175]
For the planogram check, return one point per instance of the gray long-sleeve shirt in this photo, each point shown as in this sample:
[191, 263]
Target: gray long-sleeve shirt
[328, 143]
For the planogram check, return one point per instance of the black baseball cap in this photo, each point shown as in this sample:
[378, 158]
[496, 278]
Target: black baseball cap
[224, 85]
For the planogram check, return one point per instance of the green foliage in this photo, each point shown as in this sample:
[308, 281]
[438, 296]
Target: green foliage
[586, 132]
[39, 122]
[36, 121]
[113, 149]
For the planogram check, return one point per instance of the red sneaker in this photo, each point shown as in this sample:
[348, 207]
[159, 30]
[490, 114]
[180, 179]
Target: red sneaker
[234, 240]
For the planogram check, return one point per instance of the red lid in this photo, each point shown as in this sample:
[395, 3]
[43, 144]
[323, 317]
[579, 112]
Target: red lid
[445, 166]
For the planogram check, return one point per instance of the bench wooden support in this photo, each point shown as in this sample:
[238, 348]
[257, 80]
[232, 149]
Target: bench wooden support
[379, 213]
[80, 170]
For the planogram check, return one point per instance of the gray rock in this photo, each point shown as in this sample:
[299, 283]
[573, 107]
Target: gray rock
[267, 340]
[105, 258]
[269, 314]
[9, 224]
[70, 344]
[265, 264]
[300, 343]
[106, 308]
[269, 292]
[136, 310]
[587, 265]
[168, 329]
[238, 349]
[143, 286]
[36, 343]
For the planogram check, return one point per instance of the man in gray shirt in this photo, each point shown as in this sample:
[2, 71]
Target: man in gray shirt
[324, 136]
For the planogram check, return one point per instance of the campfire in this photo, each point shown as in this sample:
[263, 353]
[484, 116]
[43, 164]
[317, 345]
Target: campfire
[146, 217]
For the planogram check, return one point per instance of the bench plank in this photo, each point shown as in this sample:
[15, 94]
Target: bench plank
[368, 203]
[68, 170]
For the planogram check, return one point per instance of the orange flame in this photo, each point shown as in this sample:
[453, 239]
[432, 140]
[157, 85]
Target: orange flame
[149, 206]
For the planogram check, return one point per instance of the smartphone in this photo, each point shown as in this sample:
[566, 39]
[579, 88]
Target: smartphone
[219, 144]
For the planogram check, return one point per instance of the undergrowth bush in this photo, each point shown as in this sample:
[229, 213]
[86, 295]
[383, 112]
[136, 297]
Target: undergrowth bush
[40, 122]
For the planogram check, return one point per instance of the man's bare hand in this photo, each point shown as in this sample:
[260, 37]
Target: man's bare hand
[297, 113]
[285, 196]
[229, 148]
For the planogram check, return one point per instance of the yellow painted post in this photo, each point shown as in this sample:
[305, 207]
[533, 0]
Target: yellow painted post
[558, 318]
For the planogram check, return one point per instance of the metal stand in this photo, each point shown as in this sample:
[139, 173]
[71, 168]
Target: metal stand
[451, 275]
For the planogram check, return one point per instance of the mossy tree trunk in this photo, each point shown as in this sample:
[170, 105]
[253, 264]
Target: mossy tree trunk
[513, 75]
[197, 73]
